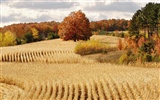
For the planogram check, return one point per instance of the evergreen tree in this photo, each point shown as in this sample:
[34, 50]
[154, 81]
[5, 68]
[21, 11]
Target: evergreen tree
[146, 20]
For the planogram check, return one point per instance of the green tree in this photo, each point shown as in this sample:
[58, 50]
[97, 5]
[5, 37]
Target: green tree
[52, 35]
[150, 17]
[135, 24]
[28, 38]
[146, 20]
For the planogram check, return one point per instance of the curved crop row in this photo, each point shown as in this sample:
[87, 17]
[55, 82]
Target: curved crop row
[10, 92]
[42, 56]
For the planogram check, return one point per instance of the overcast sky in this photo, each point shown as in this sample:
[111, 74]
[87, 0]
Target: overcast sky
[20, 11]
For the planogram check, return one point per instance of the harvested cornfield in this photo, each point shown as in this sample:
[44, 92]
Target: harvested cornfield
[43, 81]
[50, 70]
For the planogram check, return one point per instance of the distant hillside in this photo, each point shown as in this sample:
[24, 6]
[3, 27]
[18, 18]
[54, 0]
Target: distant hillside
[22, 28]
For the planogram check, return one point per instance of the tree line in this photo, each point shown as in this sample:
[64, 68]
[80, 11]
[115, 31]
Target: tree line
[110, 25]
[143, 43]
[22, 28]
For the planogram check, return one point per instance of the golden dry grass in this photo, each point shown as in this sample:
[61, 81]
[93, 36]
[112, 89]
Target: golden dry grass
[67, 76]
[111, 40]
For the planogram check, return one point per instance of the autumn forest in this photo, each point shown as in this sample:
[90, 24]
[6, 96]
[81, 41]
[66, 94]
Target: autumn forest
[44, 28]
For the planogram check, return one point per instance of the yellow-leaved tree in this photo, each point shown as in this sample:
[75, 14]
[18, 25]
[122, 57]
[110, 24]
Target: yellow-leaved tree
[35, 34]
[9, 39]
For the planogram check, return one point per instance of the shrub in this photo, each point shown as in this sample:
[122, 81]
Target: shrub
[147, 50]
[147, 47]
[18, 41]
[91, 47]
[102, 32]
[120, 44]
[157, 46]
[141, 41]
[156, 58]
[41, 37]
[95, 33]
[147, 57]
[52, 35]
[28, 38]
[127, 57]
[123, 59]
[122, 35]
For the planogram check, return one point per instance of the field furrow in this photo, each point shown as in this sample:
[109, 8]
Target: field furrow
[77, 92]
[94, 91]
[100, 90]
[71, 92]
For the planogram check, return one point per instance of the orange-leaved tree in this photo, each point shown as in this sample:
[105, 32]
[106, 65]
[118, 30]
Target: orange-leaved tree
[75, 27]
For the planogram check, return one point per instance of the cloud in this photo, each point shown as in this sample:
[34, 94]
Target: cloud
[9, 18]
[114, 6]
[40, 4]
[44, 18]
[14, 11]
[22, 18]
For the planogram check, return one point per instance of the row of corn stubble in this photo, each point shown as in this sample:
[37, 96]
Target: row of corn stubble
[33, 56]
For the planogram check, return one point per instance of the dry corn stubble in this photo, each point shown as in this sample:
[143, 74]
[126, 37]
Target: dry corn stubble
[78, 81]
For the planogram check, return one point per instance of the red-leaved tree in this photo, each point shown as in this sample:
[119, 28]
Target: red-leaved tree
[75, 27]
